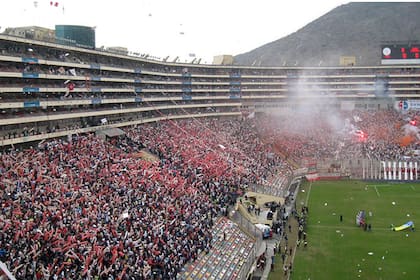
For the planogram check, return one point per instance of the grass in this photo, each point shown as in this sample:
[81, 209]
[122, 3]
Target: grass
[339, 250]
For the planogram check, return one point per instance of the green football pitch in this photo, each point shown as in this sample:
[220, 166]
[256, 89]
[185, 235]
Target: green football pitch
[342, 250]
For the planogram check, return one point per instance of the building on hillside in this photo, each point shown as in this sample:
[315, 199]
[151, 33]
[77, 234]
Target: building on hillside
[223, 59]
[32, 32]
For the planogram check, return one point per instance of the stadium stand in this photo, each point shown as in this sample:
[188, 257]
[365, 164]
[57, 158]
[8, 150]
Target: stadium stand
[228, 255]
[76, 206]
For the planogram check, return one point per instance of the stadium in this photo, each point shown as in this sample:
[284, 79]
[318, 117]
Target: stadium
[116, 166]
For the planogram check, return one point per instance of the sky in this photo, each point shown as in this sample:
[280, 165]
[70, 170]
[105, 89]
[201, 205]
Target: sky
[186, 29]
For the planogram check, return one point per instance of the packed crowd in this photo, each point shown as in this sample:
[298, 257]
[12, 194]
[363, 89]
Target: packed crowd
[90, 209]
[84, 208]
[379, 134]
[236, 148]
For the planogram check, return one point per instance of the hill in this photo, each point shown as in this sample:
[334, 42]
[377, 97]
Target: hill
[355, 29]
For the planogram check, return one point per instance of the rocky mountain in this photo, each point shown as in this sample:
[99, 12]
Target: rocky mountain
[356, 29]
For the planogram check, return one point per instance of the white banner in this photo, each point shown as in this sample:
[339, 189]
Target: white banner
[394, 170]
[409, 104]
[411, 171]
[384, 166]
[402, 170]
[389, 171]
[399, 170]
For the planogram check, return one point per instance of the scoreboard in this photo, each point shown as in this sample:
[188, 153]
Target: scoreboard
[400, 54]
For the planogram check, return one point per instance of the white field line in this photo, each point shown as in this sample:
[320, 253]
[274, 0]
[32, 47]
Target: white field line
[307, 195]
[376, 189]
[377, 186]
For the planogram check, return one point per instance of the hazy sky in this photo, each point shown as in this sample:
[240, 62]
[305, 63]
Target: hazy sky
[173, 27]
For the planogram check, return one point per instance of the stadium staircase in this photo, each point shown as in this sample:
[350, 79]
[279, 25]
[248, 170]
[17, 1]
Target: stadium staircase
[275, 185]
[231, 250]
[278, 185]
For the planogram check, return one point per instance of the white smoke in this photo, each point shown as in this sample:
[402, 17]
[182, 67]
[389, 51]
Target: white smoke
[409, 129]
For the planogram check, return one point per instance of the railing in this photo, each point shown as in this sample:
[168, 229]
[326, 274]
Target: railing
[23, 139]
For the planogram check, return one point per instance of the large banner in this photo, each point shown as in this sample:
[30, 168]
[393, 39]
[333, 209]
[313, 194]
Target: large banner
[312, 177]
[408, 104]
[406, 171]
